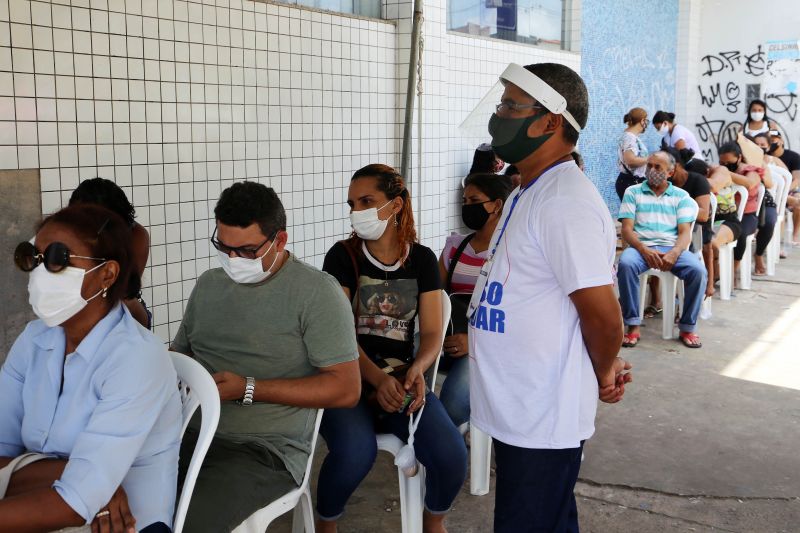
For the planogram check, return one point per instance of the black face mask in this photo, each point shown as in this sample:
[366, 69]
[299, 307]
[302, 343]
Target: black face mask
[474, 215]
[772, 148]
[733, 167]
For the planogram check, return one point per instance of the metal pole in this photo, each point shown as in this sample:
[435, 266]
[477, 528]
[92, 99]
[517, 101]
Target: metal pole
[412, 80]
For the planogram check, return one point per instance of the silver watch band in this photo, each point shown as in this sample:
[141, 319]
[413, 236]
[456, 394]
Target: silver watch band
[249, 390]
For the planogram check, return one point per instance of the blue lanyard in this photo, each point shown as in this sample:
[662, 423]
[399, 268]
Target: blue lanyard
[514, 204]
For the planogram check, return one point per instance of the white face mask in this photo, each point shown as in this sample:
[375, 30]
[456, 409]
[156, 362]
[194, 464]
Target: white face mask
[56, 296]
[366, 223]
[757, 116]
[664, 131]
[243, 270]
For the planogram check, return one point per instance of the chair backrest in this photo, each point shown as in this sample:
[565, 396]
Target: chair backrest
[713, 213]
[693, 235]
[782, 179]
[197, 389]
[446, 310]
[761, 192]
[307, 475]
[743, 194]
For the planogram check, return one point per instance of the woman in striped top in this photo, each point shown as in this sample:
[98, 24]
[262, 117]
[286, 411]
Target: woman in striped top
[459, 266]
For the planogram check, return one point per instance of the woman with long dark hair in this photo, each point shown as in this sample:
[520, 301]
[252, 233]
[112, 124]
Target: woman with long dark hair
[390, 279]
[757, 120]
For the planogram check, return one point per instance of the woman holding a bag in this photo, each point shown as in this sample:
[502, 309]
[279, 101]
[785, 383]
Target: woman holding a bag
[459, 265]
[90, 413]
[390, 280]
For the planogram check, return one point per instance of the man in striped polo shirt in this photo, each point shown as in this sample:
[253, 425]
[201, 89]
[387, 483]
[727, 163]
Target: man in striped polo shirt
[656, 221]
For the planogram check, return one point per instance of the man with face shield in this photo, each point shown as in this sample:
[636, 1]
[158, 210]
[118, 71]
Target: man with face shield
[277, 335]
[545, 325]
[656, 220]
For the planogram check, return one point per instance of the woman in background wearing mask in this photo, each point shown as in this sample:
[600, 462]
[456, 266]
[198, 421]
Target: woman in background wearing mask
[631, 151]
[674, 135]
[485, 161]
[459, 265]
[749, 176]
[88, 386]
[390, 279]
[108, 194]
[757, 120]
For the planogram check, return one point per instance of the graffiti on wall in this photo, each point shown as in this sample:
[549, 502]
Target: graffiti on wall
[729, 81]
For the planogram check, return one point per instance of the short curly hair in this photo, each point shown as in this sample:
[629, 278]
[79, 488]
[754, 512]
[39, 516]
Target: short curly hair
[247, 202]
[104, 192]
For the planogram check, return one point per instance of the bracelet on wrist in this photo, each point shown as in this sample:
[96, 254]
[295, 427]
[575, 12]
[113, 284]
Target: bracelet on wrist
[249, 391]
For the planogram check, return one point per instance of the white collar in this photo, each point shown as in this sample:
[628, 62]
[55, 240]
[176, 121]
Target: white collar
[378, 264]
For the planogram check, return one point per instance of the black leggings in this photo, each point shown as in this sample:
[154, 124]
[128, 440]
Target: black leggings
[765, 231]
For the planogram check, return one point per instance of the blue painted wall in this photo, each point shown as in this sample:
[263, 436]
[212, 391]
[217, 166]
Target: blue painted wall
[628, 54]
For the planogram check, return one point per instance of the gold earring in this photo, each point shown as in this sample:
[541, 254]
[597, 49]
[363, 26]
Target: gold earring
[105, 292]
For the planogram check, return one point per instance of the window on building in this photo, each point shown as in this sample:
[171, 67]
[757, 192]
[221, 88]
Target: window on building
[364, 8]
[538, 22]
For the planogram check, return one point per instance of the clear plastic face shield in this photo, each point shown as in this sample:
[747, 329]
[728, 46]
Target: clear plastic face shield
[544, 96]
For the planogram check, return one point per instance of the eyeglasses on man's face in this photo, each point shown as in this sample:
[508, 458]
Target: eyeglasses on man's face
[246, 252]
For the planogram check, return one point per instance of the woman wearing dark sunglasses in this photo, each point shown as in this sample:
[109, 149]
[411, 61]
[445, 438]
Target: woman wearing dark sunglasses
[87, 386]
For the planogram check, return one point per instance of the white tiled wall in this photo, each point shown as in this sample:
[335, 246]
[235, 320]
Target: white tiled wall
[175, 100]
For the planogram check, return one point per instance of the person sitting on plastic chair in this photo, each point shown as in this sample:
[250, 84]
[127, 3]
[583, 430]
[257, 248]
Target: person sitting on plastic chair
[656, 223]
[277, 335]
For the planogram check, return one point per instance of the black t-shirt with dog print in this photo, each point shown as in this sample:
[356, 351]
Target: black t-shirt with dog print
[386, 301]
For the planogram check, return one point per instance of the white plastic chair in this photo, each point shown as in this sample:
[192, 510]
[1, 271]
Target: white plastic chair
[298, 499]
[197, 389]
[669, 285]
[706, 305]
[783, 182]
[726, 250]
[412, 489]
[480, 458]
[746, 266]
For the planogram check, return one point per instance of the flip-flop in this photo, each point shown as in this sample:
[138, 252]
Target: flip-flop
[690, 340]
[651, 310]
[629, 340]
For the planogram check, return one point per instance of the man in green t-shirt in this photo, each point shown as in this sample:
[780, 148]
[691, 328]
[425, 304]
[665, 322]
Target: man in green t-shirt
[278, 337]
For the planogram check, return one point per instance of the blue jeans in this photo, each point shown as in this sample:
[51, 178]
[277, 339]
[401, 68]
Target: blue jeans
[687, 268]
[352, 448]
[535, 489]
[455, 391]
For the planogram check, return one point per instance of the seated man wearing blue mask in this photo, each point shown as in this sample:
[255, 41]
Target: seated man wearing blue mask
[656, 220]
[278, 337]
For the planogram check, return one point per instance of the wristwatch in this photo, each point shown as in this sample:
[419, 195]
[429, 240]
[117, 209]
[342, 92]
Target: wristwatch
[249, 390]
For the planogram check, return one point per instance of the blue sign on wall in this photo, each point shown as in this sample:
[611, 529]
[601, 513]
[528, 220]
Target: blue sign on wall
[628, 54]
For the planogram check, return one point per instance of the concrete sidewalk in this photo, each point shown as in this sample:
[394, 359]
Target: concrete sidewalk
[705, 439]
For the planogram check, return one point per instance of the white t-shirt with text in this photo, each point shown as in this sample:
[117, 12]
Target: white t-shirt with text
[532, 383]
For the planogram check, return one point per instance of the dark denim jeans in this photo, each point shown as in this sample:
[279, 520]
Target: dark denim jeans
[350, 436]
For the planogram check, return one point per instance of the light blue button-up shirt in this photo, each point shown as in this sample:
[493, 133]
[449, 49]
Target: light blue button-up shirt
[117, 419]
